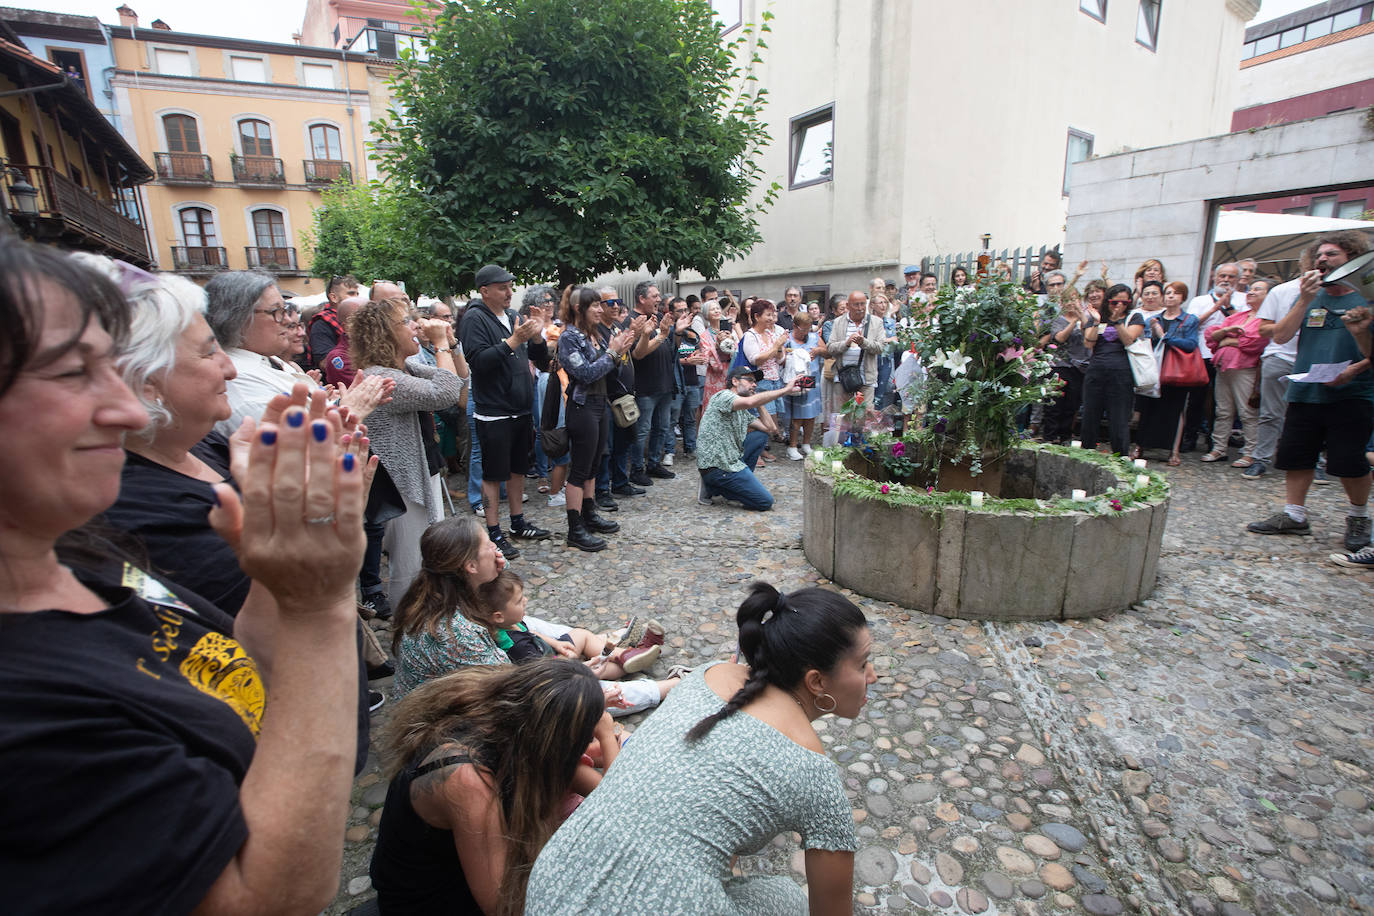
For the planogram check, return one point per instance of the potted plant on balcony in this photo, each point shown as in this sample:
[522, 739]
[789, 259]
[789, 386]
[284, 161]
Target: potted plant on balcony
[979, 348]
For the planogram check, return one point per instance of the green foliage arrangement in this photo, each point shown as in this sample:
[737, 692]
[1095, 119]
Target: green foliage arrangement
[979, 347]
[565, 139]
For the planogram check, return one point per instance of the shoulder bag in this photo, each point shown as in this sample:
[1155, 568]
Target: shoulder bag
[552, 437]
[1180, 369]
[851, 378]
[1144, 369]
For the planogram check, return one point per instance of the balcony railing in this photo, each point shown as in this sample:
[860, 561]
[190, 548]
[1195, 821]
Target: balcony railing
[275, 259]
[68, 213]
[199, 259]
[258, 170]
[325, 171]
[184, 168]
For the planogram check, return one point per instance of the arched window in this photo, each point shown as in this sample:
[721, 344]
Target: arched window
[197, 227]
[182, 136]
[269, 229]
[255, 137]
[324, 142]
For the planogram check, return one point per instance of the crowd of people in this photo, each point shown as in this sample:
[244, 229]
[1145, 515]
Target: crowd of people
[201, 486]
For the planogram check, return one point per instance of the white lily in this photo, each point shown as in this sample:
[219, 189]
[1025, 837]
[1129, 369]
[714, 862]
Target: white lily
[957, 362]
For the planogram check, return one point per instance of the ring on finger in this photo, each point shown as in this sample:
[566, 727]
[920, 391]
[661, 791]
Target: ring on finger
[321, 520]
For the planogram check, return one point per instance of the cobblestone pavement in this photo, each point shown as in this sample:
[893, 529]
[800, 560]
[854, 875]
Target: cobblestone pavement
[1208, 751]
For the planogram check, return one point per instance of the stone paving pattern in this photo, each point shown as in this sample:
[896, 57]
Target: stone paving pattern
[1208, 751]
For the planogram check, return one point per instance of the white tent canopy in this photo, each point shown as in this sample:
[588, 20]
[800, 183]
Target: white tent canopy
[1271, 238]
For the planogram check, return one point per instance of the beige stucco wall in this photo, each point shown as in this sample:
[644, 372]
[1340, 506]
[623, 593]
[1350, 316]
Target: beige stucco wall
[951, 120]
[1324, 67]
[218, 104]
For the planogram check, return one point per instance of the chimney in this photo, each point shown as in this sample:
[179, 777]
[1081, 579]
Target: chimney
[127, 17]
[162, 26]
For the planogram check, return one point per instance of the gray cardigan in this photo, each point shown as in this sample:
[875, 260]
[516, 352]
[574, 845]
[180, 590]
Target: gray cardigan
[872, 345]
[394, 428]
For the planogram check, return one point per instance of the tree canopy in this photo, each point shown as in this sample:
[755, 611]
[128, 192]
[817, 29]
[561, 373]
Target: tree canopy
[368, 230]
[569, 138]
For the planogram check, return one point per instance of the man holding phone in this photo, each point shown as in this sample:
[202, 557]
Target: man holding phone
[731, 439]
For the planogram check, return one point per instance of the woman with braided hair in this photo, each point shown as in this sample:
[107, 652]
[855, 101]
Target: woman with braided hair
[730, 760]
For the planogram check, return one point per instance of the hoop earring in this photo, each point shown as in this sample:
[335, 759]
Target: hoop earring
[821, 709]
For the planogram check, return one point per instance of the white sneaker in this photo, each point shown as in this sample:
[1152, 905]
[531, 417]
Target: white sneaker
[667, 461]
[794, 454]
[806, 449]
[558, 499]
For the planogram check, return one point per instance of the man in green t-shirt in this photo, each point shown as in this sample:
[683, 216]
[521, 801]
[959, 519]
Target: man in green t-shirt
[731, 438]
[1335, 416]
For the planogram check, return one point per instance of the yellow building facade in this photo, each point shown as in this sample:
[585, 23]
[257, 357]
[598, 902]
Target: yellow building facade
[243, 137]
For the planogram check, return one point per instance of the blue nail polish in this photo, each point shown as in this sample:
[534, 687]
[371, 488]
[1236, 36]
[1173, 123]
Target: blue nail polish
[348, 461]
[320, 430]
[295, 418]
[269, 437]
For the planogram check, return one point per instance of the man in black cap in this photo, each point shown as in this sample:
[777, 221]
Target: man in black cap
[498, 347]
[731, 438]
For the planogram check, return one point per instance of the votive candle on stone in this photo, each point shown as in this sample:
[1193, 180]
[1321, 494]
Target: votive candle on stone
[975, 499]
[837, 466]
[1080, 496]
[819, 455]
[1140, 463]
[1142, 481]
[1076, 443]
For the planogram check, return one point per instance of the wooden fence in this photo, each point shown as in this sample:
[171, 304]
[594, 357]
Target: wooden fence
[1021, 261]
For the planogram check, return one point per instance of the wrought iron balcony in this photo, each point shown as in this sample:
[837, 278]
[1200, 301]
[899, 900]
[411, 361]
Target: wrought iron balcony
[277, 260]
[199, 259]
[249, 170]
[184, 168]
[326, 171]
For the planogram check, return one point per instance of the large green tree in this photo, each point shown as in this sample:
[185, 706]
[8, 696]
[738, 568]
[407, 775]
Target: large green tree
[568, 138]
[368, 230]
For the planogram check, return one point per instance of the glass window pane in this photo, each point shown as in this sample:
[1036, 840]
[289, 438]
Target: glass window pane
[815, 147]
[269, 228]
[248, 69]
[318, 76]
[1147, 23]
[172, 63]
[256, 138]
[1345, 20]
[1317, 29]
[324, 142]
[1295, 211]
[1290, 37]
[727, 11]
[1080, 147]
[1323, 206]
[1094, 8]
[1247, 51]
[1350, 209]
[1266, 44]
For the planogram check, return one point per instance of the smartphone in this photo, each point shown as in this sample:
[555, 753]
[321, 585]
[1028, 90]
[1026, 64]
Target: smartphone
[806, 381]
[726, 324]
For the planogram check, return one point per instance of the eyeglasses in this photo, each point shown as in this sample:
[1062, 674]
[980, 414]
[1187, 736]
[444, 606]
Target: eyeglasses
[277, 314]
[612, 302]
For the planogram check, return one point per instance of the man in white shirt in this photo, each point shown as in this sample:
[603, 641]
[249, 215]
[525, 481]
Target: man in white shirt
[1276, 364]
[1211, 309]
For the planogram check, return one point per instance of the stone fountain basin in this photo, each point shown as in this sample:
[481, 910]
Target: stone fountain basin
[989, 564]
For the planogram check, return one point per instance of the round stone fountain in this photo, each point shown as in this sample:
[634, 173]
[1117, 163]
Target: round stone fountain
[991, 563]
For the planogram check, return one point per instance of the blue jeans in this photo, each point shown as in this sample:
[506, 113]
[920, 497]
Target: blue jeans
[475, 462]
[883, 393]
[741, 486]
[615, 466]
[654, 430]
[689, 402]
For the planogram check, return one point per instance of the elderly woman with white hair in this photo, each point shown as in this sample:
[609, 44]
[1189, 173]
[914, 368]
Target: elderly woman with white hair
[252, 321]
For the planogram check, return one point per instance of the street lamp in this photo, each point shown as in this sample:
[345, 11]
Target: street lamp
[23, 195]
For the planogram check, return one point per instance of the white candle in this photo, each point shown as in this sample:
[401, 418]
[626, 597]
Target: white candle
[818, 455]
[837, 466]
[1080, 496]
[975, 499]
[1140, 463]
[1142, 480]
[1076, 443]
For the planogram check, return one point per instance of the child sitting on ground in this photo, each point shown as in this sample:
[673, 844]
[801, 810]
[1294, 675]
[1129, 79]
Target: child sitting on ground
[502, 609]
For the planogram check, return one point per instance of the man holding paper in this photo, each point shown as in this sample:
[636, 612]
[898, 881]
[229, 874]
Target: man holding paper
[1335, 415]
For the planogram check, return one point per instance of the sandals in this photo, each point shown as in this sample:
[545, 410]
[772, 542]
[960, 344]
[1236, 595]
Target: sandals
[1213, 456]
[1244, 461]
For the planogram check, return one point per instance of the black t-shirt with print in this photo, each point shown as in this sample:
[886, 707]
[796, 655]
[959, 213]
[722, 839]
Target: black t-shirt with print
[654, 373]
[124, 738]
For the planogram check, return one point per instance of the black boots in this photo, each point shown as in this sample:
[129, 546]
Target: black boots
[580, 537]
[595, 522]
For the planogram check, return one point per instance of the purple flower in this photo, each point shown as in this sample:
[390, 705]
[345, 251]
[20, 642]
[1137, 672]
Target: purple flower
[973, 336]
[940, 425]
[898, 449]
[1016, 340]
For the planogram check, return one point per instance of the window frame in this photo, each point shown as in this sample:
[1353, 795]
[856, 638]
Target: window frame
[1158, 6]
[726, 28]
[1323, 199]
[167, 135]
[310, 129]
[824, 290]
[1075, 133]
[1100, 15]
[239, 137]
[322, 65]
[156, 62]
[272, 210]
[184, 208]
[230, 57]
[1362, 204]
[1359, 19]
[796, 128]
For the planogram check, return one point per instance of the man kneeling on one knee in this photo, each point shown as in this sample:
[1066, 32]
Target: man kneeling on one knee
[731, 438]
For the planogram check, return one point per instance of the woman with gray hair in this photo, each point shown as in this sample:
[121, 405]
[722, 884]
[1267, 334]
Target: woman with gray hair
[251, 320]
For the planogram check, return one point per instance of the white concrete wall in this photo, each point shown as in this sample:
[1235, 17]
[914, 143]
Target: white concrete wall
[1154, 203]
[951, 122]
[1311, 71]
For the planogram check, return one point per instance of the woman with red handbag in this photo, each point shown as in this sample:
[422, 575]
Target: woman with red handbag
[1236, 347]
[1161, 418]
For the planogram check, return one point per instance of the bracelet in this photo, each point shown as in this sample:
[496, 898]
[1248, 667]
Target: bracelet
[443, 349]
